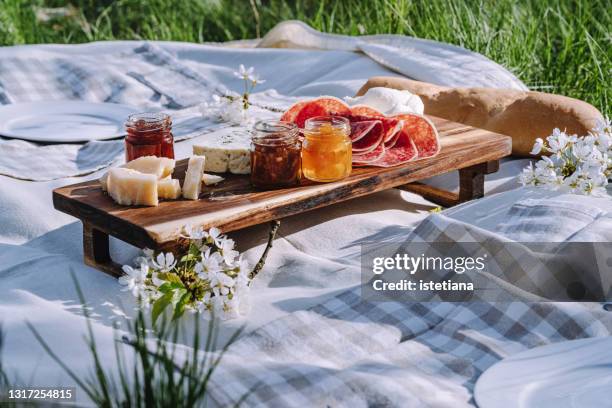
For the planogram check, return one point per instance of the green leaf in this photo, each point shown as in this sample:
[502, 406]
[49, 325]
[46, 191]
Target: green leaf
[160, 304]
[168, 286]
[179, 308]
[170, 277]
[194, 249]
[189, 257]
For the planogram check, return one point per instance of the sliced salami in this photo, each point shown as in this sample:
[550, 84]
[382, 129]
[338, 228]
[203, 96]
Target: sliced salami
[324, 106]
[422, 132]
[364, 110]
[365, 159]
[367, 135]
[361, 129]
[396, 156]
[377, 140]
[291, 113]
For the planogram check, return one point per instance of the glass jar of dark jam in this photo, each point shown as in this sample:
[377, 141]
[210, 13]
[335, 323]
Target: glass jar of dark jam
[275, 155]
[149, 134]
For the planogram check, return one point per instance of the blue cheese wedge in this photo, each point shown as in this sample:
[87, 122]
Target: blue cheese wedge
[192, 186]
[225, 151]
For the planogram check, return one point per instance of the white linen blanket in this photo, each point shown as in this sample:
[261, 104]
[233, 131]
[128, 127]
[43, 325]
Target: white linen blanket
[354, 352]
[312, 259]
[146, 76]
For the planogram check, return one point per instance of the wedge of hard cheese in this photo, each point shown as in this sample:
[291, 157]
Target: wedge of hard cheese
[169, 189]
[192, 186]
[225, 151]
[130, 187]
[211, 179]
[159, 166]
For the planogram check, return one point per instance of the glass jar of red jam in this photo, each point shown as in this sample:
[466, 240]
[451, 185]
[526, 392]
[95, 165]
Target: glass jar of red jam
[149, 134]
[275, 155]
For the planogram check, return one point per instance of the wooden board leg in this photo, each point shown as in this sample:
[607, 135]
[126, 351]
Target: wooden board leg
[471, 180]
[96, 251]
[471, 186]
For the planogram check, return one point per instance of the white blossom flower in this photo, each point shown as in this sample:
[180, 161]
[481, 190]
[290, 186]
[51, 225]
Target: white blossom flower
[194, 232]
[210, 263]
[537, 147]
[164, 262]
[244, 73]
[221, 283]
[215, 236]
[134, 279]
[228, 252]
[557, 141]
[582, 165]
[221, 276]
[156, 280]
[603, 127]
[256, 80]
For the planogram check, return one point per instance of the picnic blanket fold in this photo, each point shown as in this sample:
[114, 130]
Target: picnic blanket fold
[417, 58]
[350, 351]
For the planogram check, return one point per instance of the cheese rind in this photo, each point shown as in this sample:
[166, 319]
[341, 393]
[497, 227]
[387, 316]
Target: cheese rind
[159, 166]
[192, 186]
[130, 187]
[225, 151]
[169, 189]
[211, 179]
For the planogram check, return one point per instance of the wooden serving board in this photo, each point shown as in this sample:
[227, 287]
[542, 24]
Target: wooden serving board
[233, 204]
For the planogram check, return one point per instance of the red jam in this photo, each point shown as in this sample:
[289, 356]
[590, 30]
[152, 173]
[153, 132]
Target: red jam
[149, 134]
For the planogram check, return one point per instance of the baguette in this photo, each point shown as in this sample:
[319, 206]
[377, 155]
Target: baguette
[522, 115]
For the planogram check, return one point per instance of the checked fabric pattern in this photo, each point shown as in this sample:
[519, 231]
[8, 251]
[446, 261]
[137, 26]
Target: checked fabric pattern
[148, 78]
[357, 353]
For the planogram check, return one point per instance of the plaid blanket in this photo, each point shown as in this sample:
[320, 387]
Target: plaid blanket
[353, 352]
[147, 77]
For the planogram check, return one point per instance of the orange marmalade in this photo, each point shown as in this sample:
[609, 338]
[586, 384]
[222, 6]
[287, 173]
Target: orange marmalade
[326, 150]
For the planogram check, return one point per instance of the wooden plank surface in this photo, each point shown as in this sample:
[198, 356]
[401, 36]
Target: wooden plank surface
[234, 204]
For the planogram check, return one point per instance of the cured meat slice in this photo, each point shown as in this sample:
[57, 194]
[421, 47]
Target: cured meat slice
[291, 113]
[396, 156]
[422, 132]
[324, 106]
[391, 142]
[364, 110]
[366, 135]
[362, 128]
[364, 159]
[403, 151]
[377, 140]
[392, 128]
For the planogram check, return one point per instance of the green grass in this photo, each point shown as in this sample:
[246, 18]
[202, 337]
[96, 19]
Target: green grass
[559, 46]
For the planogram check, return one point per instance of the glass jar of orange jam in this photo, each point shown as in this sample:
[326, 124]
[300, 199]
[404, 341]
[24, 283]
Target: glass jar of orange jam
[326, 149]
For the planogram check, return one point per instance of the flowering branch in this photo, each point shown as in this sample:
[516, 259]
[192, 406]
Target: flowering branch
[233, 107]
[274, 225]
[212, 277]
[578, 164]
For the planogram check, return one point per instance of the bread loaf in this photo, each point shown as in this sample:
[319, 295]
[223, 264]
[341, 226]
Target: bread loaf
[523, 115]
